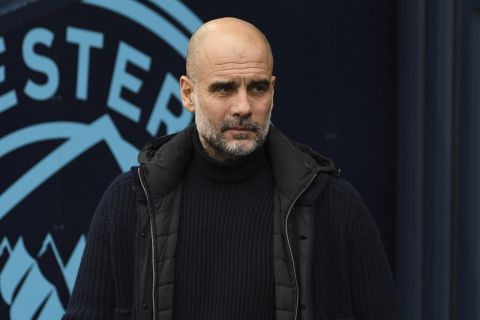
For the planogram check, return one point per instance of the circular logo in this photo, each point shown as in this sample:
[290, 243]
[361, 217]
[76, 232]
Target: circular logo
[81, 89]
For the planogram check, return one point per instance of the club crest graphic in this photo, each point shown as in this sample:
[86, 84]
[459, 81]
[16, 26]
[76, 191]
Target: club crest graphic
[81, 90]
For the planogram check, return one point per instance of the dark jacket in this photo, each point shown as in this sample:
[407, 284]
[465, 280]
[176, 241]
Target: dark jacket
[329, 261]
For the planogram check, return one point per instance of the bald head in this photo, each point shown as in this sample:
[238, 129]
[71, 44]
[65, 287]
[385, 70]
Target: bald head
[233, 32]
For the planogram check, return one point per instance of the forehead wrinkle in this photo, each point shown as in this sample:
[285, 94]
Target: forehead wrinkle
[240, 68]
[233, 64]
[240, 71]
[233, 54]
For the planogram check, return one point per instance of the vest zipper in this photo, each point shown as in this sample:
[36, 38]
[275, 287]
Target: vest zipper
[295, 310]
[153, 244]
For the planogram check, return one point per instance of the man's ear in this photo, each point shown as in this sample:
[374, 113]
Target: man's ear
[273, 81]
[187, 89]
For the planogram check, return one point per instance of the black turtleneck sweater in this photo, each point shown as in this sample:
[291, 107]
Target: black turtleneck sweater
[224, 260]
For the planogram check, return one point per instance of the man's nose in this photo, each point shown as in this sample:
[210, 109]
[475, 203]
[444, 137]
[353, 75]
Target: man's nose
[241, 106]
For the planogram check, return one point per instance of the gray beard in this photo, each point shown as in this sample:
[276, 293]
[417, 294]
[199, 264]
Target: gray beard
[217, 146]
[220, 148]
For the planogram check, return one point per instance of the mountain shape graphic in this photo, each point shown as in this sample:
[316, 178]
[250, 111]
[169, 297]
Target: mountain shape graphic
[47, 263]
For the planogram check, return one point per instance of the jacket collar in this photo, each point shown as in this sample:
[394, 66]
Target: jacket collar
[165, 160]
[293, 164]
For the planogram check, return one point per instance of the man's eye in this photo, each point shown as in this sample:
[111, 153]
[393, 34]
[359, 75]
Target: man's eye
[260, 88]
[224, 89]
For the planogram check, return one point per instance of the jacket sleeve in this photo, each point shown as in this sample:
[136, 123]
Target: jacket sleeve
[93, 294]
[374, 294]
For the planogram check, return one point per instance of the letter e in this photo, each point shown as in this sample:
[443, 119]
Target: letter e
[122, 79]
[9, 99]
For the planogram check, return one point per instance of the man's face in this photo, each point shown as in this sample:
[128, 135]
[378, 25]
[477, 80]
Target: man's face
[233, 98]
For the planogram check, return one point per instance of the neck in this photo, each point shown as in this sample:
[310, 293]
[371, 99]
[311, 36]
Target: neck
[234, 171]
[213, 152]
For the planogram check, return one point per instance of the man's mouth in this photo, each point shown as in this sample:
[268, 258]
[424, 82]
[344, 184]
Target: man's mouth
[242, 129]
[239, 129]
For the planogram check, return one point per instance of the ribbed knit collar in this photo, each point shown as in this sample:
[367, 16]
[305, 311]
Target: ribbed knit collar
[232, 171]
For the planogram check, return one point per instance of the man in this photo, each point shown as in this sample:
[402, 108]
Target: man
[229, 219]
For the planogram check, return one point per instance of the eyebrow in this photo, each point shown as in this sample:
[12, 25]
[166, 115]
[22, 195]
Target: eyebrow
[231, 84]
[255, 83]
[220, 85]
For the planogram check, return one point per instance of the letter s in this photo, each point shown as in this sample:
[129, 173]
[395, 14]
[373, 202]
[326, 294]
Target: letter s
[40, 63]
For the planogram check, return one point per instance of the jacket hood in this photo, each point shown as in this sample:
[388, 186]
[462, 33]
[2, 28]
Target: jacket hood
[293, 163]
[166, 158]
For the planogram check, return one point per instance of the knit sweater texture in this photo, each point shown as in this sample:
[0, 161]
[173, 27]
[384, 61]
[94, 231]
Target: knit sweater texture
[224, 260]
[348, 277]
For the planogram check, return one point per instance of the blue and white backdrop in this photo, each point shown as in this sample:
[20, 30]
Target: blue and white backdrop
[81, 89]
